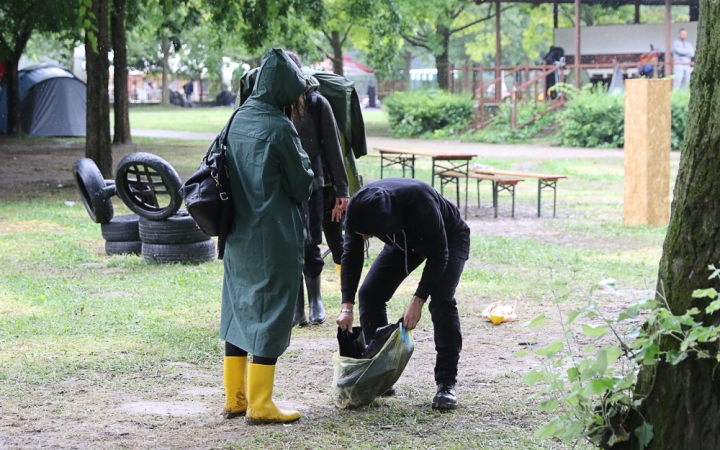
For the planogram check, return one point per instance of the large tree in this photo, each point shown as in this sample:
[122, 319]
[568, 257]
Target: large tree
[97, 140]
[121, 101]
[683, 401]
[19, 19]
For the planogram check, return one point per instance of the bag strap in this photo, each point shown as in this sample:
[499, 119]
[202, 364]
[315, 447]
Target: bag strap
[221, 139]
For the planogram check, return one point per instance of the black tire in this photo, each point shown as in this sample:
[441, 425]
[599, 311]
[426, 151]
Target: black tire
[148, 185]
[179, 228]
[123, 247]
[94, 192]
[197, 252]
[121, 228]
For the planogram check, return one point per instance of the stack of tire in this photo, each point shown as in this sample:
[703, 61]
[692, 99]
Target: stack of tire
[121, 233]
[159, 230]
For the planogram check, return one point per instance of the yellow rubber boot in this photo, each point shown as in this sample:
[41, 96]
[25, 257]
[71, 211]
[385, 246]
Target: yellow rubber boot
[234, 371]
[261, 408]
[337, 269]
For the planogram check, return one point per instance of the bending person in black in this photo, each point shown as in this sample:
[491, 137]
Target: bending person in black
[416, 224]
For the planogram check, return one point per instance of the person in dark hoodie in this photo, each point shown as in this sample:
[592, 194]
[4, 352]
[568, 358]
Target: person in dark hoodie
[323, 212]
[416, 224]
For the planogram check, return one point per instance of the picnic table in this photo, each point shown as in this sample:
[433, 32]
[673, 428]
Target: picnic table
[442, 161]
[544, 181]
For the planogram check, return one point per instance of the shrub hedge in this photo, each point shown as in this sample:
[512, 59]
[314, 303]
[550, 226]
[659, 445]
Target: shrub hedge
[430, 113]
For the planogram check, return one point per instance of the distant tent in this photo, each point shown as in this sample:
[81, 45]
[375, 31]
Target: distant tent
[53, 102]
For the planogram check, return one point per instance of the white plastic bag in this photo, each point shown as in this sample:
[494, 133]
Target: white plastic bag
[357, 382]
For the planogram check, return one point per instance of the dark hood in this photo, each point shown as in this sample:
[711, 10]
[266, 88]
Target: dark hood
[279, 81]
[374, 211]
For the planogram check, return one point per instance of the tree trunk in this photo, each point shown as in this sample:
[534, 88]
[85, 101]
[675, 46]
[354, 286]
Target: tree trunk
[165, 48]
[13, 95]
[683, 403]
[337, 58]
[442, 59]
[408, 57]
[122, 103]
[97, 141]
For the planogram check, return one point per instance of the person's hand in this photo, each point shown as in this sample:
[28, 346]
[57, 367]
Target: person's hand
[340, 207]
[345, 319]
[412, 313]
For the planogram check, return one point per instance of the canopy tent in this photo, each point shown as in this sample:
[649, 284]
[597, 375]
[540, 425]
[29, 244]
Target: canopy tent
[351, 68]
[53, 102]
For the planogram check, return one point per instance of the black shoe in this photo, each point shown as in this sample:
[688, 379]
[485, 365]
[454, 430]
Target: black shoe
[445, 398]
[389, 393]
[299, 318]
[317, 311]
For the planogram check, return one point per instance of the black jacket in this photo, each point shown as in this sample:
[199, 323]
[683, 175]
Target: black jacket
[404, 213]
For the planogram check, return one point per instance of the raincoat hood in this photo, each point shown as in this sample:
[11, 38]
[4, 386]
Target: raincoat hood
[374, 211]
[279, 81]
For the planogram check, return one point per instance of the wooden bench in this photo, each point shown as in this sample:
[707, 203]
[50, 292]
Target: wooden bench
[499, 183]
[544, 181]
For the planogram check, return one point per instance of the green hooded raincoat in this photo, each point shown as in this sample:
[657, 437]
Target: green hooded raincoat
[269, 175]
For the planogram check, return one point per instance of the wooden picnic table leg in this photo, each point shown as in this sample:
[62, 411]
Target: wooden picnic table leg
[554, 197]
[478, 195]
[512, 192]
[457, 191]
[467, 180]
[495, 197]
[382, 159]
[413, 166]
[539, 195]
[432, 174]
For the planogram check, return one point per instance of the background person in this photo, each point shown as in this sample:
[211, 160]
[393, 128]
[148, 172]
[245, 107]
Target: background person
[683, 52]
[320, 139]
[270, 174]
[416, 224]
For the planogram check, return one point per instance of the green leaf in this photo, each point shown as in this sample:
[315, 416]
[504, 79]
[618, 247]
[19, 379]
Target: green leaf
[713, 306]
[573, 373]
[549, 405]
[601, 385]
[594, 331]
[536, 322]
[520, 353]
[572, 315]
[613, 353]
[608, 283]
[644, 433]
[551, 349]
[532, 377]
[702, 293]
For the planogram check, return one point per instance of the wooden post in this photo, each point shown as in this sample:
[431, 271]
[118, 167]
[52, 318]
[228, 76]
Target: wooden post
[544, 81]
[577, 43]
[555, 14]
[668, 38]
[637, 11]
[647, 151]
[498, 54]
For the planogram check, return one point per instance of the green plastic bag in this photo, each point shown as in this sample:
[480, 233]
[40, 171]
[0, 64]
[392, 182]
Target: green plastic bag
[357, 382]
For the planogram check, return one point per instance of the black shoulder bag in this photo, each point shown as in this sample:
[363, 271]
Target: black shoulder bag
[207, 191]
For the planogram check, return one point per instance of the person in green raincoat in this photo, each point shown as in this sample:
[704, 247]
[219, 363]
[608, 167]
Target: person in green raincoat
[269, 175]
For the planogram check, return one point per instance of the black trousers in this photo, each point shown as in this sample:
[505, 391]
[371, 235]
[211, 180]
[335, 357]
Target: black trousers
[319, 217]
[385, 276]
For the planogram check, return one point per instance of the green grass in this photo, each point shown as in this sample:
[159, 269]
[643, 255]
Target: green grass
[211, 120]
[68, 311]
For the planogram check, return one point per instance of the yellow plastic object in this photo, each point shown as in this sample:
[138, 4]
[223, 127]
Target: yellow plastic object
[234, 369]
[357, 382]
[497, 318]
[337, 269]
[261, 408]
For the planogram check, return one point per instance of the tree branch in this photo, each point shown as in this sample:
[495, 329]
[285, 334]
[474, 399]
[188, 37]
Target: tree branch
[489, 16]
[416, 43]
[329, 38]
[346, 35]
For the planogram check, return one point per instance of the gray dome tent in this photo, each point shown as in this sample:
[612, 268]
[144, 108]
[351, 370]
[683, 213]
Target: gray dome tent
[53, 102]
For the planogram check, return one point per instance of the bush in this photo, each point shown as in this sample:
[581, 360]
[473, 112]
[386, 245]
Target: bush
[592, 118]
[499, 130]
[428, 112]
[679, 106]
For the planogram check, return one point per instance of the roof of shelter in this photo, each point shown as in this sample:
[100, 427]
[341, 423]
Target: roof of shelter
[611, 3]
